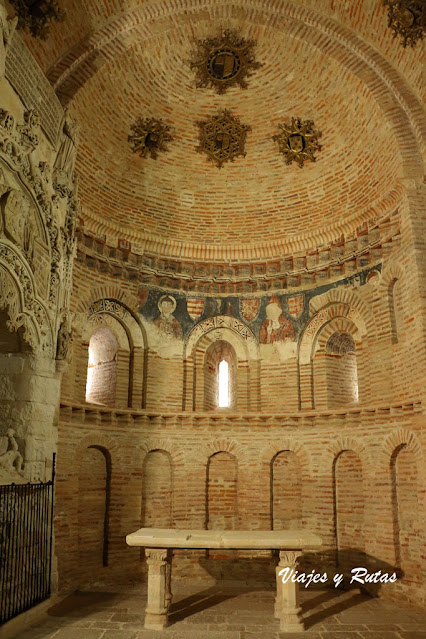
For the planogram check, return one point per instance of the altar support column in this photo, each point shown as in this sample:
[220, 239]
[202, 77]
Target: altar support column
[159, 562]
[287, 608]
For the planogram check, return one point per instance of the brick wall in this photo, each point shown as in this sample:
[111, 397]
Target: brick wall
[406, 509]
[286, 491]
[157, 490]
[331, 472]
[222, 492]
[93, 512]
[349, 498]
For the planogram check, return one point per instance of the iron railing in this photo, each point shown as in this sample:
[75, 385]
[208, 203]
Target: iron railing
[26, 518]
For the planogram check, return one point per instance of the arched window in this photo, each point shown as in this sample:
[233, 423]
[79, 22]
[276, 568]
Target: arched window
[220, 371]
[102, 368]
[223, 384]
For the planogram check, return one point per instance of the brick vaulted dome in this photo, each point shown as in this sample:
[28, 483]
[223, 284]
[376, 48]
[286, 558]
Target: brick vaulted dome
[183, 205]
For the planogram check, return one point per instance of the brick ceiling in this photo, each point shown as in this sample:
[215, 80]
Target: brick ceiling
[113, 63]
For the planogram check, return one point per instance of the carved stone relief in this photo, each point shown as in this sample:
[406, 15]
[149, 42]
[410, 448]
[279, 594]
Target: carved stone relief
[17, 143]
[12, 460]
[63, 170]
[64, 340]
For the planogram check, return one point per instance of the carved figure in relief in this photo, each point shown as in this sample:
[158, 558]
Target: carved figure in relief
[166, 323]
[29, 137]
[17, 221]
[64, 338]
[63, 169]
[14, 209]
[276, 327]
[12, 459]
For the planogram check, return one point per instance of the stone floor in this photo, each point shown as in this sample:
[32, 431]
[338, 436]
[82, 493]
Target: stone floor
[225, 612]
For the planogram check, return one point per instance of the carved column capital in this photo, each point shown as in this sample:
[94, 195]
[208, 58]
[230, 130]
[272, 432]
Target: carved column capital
[289, 558]
[157, 556]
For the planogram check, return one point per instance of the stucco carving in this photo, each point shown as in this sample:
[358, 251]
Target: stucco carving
[63, 170]
[64, 340]
[17, 143]
[18, 297]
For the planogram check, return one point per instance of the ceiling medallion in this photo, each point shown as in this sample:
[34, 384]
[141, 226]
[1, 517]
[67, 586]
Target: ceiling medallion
[222, 137]
[407, 18]
[298, 141]
[149, 136]
[224, 61]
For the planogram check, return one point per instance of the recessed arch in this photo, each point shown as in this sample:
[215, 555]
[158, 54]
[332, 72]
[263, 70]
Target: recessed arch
[102, 367]
[239, 341]
[349, 509]
[94, 496]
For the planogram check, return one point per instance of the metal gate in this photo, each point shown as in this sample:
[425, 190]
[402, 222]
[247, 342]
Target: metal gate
[26, 519]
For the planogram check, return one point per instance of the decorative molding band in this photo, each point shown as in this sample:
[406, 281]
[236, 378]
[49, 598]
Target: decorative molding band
[70, 411]
[331, 262]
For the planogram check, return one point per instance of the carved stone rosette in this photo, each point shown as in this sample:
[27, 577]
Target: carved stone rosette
[149, 137]
[407, 19]
[298, 141]
[222, 137]
[224, 61]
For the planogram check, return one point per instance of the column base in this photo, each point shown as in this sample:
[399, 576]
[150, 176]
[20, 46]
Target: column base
[291, 621]
[155, 622]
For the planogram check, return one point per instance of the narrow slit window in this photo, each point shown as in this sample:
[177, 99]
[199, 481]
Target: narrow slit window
[223, 384]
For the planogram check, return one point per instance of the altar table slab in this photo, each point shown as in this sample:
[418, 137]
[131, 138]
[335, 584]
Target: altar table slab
[160, 542]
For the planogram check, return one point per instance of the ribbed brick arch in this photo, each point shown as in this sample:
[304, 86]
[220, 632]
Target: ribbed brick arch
[346, 296]
[270, 451]
[96, 441]
[391, 271]
[225, 445]
[166, 445]
[339, 325]
[342, 444]
[398, 438]
[323, 317]
[398, 101]
[128, 301]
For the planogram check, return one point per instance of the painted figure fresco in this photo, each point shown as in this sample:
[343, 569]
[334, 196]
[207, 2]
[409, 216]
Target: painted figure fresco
[276, 327]
[166, 322]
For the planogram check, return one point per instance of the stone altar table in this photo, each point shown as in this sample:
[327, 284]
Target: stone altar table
[160, 542]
